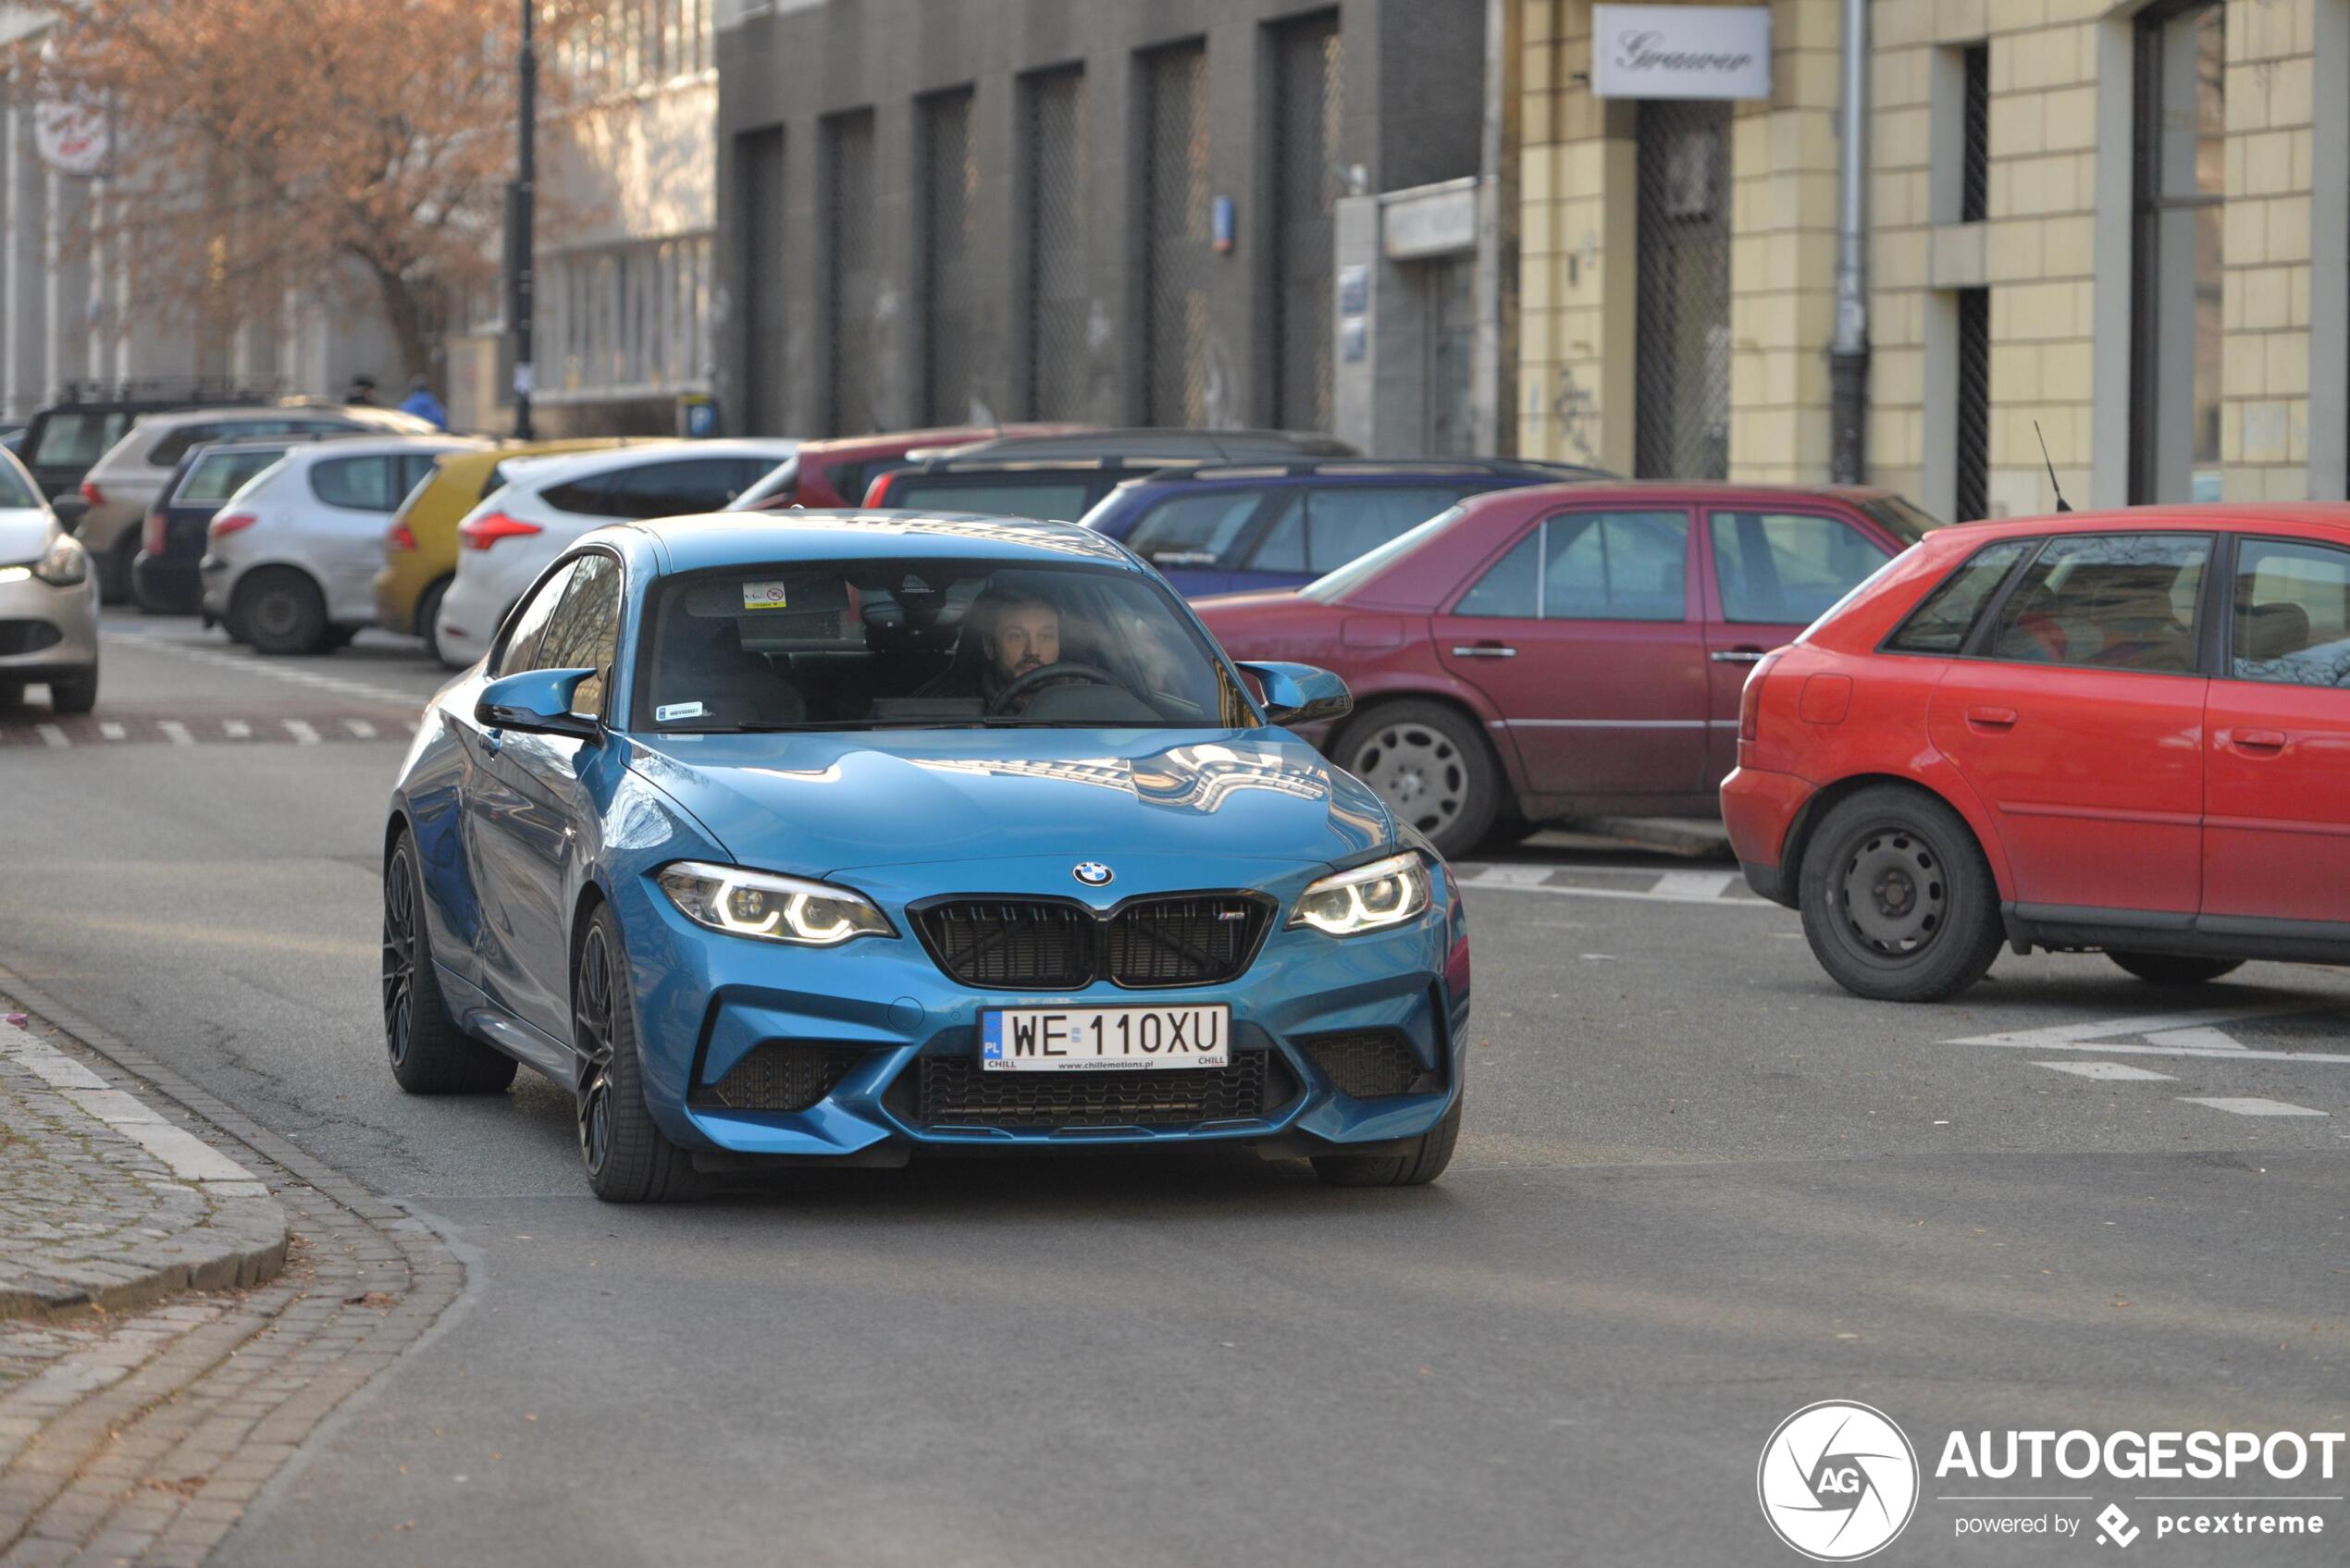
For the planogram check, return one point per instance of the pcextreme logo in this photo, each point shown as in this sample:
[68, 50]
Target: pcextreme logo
[1837, 1481]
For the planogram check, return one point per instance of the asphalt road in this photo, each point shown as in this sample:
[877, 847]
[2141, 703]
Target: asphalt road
[1699, 1188]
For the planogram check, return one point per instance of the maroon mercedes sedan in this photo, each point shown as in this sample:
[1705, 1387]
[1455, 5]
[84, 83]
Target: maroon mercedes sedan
[1567, 649]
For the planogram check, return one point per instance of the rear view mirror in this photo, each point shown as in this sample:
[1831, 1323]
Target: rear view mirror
[1300, 694]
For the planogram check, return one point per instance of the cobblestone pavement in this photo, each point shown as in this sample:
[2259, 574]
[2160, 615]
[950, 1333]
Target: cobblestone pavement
[102, 1202]
[142, 1436]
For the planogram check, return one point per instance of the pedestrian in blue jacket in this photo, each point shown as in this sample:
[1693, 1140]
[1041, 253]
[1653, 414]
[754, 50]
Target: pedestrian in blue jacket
[424, 405]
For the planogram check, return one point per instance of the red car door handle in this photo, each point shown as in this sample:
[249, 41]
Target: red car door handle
[1991, 718]
[2265, 743]
[1485, 650]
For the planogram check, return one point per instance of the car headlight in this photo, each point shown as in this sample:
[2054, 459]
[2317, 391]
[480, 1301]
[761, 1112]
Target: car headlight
[64, 563]
[773, 908]
[1385, 892]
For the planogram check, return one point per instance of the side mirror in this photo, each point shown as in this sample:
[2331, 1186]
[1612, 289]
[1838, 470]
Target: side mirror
[1300, 694]
[536, 702]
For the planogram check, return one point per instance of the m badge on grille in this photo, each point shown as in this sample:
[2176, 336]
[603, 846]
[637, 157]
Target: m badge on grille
[1092, 873]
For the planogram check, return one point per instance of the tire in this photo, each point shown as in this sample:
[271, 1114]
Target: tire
[1422, 1162]
[429, 1053]
[427, 620]
[11, 694]
[115, 568]
[75, 694]
[279, 610]
[2172, 969]
[629, 1160]
[1930, 926]
[1431, 764]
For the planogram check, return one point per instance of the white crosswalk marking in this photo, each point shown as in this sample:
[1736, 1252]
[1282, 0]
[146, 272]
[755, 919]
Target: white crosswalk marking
[2107, 1072]
[236, 729]
[109, 730]
[1697, 886]
[303, 733]
[51, 735]
[361, 728]
[175, 731]
[2200, 1039]
[2249, 1105]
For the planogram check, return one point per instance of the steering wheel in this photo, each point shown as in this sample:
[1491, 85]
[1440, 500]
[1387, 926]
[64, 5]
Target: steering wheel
[1021, 685]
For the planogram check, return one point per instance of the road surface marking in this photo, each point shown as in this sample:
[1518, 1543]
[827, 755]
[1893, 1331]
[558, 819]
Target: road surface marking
[303, 734]
[2249, 1105]
[2204, 1036]
[236, 729]
[2072, 1036]
[2110, 1048]
[109, 730]
[361, 728]
[189, 1157]
[2106, 1072]
[51, 735]
[175, 731]
[1510, 876]
[1698, 887]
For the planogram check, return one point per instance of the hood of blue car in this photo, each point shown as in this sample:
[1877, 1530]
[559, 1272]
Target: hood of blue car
[818, 803]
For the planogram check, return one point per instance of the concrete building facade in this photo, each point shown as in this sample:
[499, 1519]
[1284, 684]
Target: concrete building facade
[1014, 209]
[2121, 227]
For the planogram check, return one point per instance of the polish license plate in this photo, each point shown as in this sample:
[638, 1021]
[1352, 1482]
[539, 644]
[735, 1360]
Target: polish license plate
[1104, 1039]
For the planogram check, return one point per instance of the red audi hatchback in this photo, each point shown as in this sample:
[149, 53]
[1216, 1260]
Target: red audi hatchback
[2127, 732]
[1565, 649]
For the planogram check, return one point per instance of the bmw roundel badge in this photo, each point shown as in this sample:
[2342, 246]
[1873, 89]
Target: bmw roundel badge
[1092, 873]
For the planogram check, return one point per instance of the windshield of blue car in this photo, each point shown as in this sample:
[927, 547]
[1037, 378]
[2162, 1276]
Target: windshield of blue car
[923, 644]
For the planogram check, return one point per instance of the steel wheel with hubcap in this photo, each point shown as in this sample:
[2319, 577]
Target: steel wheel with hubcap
[629, 1160]
[429, 1053]
[1897, 901]
[281, 611]
[1431, 766]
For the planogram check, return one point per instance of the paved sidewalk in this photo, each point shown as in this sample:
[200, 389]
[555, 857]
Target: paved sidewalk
[143, 1436]
[103, 1203]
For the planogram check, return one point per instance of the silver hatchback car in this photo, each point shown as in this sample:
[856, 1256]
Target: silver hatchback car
[48, 601]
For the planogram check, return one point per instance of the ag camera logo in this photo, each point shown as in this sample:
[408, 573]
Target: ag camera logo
[1837, 1481]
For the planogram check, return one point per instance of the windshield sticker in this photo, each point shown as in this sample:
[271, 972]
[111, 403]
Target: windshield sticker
[669, 712]
[764, 596]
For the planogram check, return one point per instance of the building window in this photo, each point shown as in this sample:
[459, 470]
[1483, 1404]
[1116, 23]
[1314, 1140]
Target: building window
[1681, 391]
[623, 320]
[1972, 498]
[1308, 109]
[852, 282]
[1060, 301]
[1974, 165]
[1176, 258]
[950, 213]
[2181, 114]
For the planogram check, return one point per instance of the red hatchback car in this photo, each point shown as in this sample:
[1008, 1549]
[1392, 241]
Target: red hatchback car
[2126, 732]
[1565, 649]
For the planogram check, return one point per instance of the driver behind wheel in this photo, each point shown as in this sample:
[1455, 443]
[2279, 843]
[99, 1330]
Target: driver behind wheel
[1012, 631]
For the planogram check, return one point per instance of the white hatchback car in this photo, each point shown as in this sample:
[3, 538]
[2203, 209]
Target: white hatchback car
[289, 561]
[507, 541]
[48, 601]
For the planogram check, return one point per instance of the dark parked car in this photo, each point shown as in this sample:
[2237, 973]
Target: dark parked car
[163, 577]
[838, 472]
[1063, 478]
[1280, 526]
[1566, 650]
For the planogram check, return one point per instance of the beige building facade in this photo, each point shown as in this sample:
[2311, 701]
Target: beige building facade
[2124, 228]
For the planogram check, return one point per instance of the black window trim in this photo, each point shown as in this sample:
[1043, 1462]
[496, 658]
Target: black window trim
[1979, 636]
[1689, 568]
[1996, 599]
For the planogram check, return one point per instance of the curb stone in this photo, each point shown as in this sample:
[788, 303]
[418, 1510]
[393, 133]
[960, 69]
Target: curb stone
[146, 1443]
[109, 1206]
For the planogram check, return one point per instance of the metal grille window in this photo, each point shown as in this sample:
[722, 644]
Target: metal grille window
[1308, 107]
[1059, 303]
[950, 211]
[1681, 414]
[853, 278]
[1176, 258]
[1973, 499]
[1974, 161]
[2180, 220]
[629, 318]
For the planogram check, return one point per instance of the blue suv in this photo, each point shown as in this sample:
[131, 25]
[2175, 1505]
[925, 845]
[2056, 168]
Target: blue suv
[1279, 525]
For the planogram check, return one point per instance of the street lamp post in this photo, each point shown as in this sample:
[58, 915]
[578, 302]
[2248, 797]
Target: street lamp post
[519, 243]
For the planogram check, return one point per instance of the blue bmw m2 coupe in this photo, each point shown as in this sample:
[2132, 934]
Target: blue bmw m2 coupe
[833, 837]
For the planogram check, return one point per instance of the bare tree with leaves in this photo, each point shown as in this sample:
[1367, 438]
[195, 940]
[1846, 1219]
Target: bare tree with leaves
[359, 147]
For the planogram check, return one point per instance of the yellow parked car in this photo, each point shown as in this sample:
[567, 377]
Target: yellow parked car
[420, 548]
